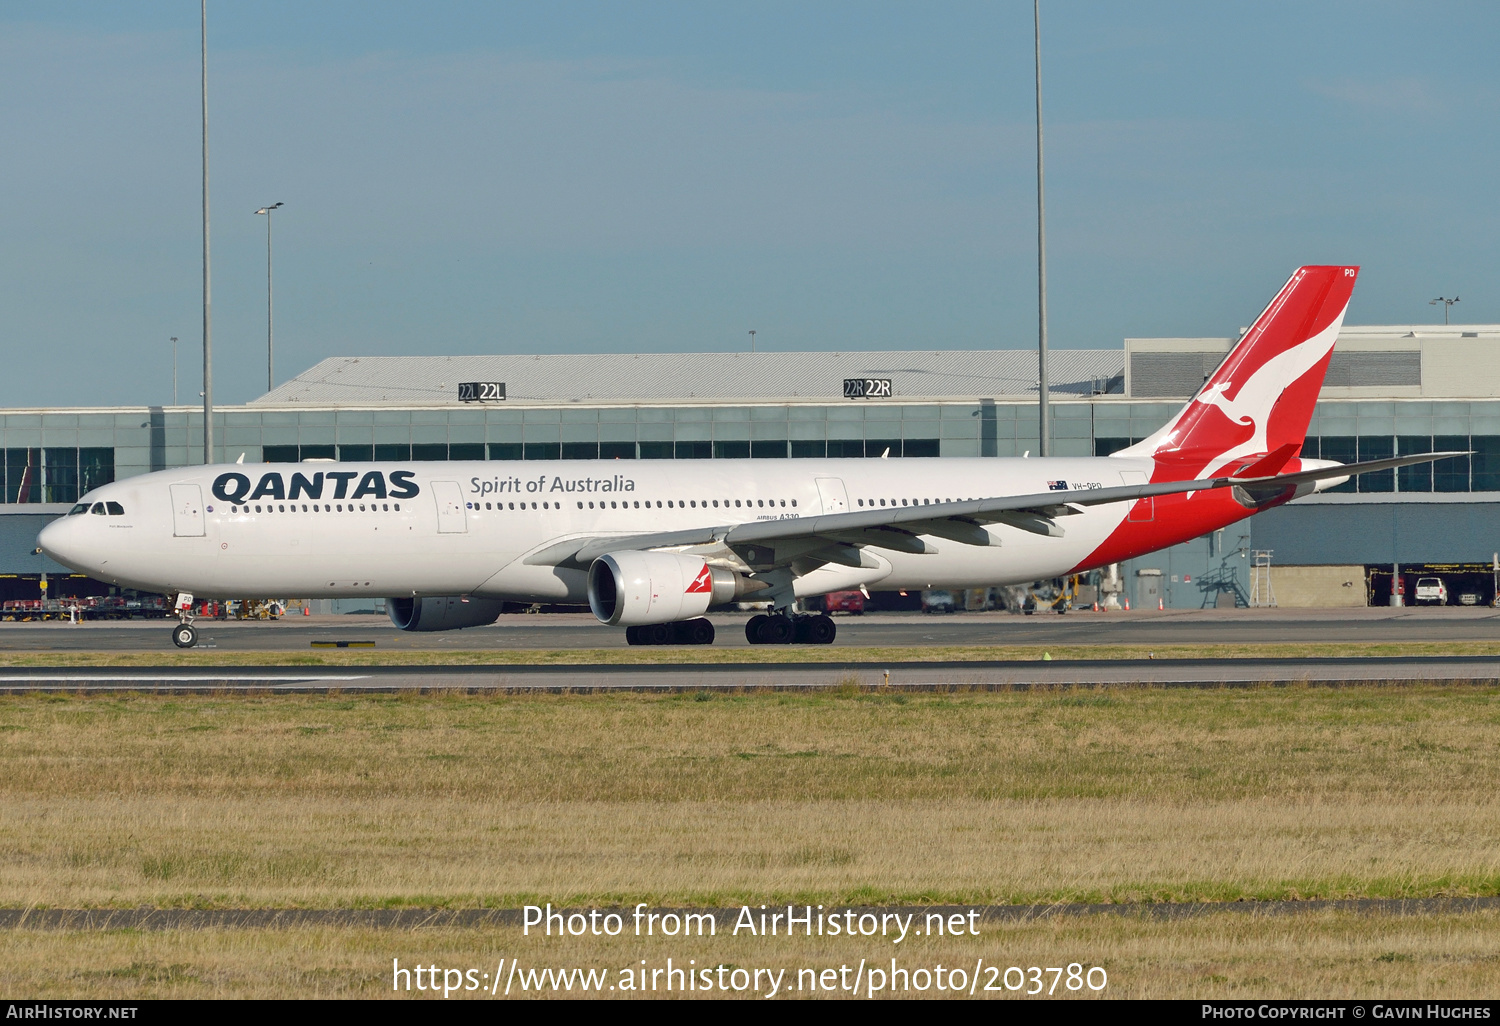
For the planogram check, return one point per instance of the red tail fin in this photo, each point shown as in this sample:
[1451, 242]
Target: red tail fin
[1262, 396]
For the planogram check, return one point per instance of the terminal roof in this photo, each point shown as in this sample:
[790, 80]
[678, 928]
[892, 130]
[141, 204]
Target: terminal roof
[699, 377]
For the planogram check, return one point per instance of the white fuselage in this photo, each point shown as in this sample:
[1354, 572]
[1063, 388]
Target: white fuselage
[468, 527]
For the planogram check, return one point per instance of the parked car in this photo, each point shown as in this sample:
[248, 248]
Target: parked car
[1432, 589]
[938, 601]
[851, 602]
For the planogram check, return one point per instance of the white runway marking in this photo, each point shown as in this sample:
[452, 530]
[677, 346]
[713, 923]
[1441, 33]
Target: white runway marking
[99, 678]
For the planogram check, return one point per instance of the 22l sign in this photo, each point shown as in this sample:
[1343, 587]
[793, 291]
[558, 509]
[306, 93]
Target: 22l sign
[480, 391]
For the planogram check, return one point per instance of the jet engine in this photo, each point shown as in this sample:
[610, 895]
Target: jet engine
[630, 588]
[443, 613]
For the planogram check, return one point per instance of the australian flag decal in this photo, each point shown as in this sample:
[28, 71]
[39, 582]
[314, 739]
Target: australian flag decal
[1057, 486]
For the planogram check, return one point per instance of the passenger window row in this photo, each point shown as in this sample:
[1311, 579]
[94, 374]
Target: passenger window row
[909, 502]
[643, 504]
[374, 507]
[502, 506]
[691, 504]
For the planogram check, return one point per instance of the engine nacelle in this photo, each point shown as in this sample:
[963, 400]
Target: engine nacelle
[631, 587]
[442, 613]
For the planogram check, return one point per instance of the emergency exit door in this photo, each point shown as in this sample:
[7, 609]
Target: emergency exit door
[835, 497]
[1141, 509]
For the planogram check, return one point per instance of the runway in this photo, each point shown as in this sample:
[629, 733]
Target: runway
[886, 630]
[904, 676]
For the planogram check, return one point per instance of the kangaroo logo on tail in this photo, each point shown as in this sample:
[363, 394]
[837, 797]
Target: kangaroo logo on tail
[1262, 395]
[1252, 404]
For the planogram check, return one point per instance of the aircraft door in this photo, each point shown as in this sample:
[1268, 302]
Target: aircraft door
[1143, 509]
[187, 511]
[450, 507]
[835, 498]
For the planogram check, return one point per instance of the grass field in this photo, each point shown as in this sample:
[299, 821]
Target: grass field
[408, 652]
[1228, 955]
[1114, 794]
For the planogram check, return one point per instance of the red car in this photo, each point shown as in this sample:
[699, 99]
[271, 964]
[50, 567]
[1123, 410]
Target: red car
[851, 602]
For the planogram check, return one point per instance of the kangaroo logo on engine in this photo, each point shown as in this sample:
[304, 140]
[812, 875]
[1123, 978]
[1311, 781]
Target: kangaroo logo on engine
[704, 582]
[235, 488]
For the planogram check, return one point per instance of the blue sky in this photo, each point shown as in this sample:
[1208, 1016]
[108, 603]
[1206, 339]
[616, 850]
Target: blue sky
[577, 177]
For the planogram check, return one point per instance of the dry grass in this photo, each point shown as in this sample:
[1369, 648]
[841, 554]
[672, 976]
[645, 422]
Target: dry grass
[427, 852]
[1116, 794]
[1228, 955]
[404, 652]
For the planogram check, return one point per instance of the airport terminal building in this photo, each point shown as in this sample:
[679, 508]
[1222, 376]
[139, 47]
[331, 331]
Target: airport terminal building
[1389, 390]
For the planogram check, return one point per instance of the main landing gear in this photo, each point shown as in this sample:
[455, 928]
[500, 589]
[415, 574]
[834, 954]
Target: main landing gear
[697, 631]
[184, 635]
[780, 629]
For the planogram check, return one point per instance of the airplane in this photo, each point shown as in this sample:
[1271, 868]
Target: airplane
[652, 546]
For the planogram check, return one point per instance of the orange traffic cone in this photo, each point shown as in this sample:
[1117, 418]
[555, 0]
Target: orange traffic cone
[306, 611]
[1127, 605]
[1160, 605]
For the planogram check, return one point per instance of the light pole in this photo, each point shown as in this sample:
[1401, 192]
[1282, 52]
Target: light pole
[208, 331]
[1044, 438]
[752, 340]
[270, 351]
[174, 370]
[1447, 305]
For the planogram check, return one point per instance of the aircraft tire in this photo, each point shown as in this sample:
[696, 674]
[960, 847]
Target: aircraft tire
[656, 634]
[632, 636]
[752, 629]
[777, 630]
[697, 631]
[184, 635]
[819, 630]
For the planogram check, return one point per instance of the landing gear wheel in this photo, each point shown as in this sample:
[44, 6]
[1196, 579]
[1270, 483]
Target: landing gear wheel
[777, 630]
[694, 632]
[819, 630]
[184, 635]
[632, 635]
[655, 634]
[752, 628]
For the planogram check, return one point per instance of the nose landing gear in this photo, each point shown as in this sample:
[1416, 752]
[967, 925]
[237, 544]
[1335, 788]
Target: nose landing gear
[184, 635]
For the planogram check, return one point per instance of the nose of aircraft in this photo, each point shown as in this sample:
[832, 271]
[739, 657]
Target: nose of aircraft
[63, 541]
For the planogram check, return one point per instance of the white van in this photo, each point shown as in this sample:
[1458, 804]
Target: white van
[1432, 589]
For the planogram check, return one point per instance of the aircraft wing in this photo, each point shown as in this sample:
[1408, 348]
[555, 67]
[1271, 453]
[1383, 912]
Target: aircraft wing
[836, 537]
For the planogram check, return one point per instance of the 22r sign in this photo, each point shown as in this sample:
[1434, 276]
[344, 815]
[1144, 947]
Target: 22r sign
[867, 388]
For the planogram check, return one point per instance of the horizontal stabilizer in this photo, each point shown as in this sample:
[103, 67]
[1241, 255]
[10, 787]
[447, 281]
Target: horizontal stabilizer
[1270, 463]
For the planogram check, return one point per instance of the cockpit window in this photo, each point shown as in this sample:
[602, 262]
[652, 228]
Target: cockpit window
[115, 509]
[98, 509]
[82, 507]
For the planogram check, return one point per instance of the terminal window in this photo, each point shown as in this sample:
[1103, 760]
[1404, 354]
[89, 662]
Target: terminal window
[56, 474]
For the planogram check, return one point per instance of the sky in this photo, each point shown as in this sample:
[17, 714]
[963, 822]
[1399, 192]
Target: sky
[663, 177]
